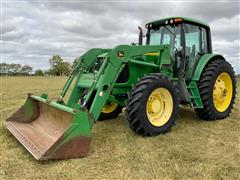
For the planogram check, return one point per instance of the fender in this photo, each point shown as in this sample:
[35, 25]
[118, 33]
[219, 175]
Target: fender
[202, 63]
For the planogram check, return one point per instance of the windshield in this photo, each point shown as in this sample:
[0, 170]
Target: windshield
[165, 35]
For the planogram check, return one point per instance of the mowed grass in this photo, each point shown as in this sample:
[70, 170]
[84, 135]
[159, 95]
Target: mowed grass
[194, 149]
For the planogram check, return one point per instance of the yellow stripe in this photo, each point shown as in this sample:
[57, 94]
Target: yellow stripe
[152, 54]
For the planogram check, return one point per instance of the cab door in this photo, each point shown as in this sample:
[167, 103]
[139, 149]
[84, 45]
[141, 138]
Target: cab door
[195, 46]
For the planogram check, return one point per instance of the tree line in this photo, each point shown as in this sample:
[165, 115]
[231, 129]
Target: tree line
[58, 67]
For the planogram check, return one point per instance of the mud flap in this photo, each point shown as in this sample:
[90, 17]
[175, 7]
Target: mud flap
[49, 130]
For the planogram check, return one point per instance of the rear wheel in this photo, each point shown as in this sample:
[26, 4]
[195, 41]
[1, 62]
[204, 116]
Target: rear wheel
[153, 105]
[217, 86]
[110, 111]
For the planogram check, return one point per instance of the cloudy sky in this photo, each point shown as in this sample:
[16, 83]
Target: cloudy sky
[32, 31]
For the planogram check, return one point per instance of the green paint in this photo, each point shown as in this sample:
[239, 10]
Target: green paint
[195, 98]
[202, 63]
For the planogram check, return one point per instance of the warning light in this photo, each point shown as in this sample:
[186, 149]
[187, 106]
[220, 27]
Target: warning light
[178, 20]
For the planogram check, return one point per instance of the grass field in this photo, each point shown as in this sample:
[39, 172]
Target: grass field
[194, 149]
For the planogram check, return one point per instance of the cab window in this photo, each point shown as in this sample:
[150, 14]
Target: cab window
[155, 37]
[192, 41]
[165, 35]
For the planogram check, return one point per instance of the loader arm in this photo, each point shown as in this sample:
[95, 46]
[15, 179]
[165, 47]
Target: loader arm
[82, 64]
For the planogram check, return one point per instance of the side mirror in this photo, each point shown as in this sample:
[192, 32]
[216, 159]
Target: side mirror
[180, 48]
[179, 51]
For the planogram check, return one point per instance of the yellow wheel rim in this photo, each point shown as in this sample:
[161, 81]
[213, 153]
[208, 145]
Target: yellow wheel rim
[222, 92]
[159, 107]
[108, 108]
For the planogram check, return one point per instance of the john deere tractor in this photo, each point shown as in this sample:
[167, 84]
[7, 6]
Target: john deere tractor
[175, 66]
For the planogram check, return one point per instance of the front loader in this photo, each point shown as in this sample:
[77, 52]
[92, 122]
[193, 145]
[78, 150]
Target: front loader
[175, 67]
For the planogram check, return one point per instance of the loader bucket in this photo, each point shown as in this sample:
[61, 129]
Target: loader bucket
[49, 130]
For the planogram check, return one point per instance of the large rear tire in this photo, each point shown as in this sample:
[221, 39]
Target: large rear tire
[217, 87]
[153, 105]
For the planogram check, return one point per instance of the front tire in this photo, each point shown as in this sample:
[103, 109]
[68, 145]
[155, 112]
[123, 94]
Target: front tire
[110, 111]
[217, 87]
[153, 105]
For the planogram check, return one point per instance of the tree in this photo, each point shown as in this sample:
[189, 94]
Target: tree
[58, 66]
[14, 69]
[66, 68]
[39, 72]
[26, 70]
[4, 68]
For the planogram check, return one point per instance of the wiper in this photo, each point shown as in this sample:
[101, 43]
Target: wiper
[170, 31]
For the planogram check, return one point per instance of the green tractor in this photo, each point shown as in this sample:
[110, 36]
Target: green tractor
[175, 67]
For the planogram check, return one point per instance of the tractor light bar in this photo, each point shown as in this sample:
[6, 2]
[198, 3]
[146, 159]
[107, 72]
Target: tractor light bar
[178, 20]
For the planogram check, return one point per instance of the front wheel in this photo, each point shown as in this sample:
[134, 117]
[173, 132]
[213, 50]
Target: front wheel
[153, 105]
[110, 111]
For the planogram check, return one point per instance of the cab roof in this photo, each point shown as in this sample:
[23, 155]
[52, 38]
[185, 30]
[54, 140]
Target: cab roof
[189, 20]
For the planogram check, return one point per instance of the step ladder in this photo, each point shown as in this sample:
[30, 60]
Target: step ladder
[194, 95]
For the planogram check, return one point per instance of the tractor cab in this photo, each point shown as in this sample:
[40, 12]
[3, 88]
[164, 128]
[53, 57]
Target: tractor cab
[188, 39]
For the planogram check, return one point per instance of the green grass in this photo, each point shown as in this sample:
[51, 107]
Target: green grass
[194, 149]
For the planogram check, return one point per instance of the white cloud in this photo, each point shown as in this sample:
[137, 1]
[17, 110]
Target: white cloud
[33, 31]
